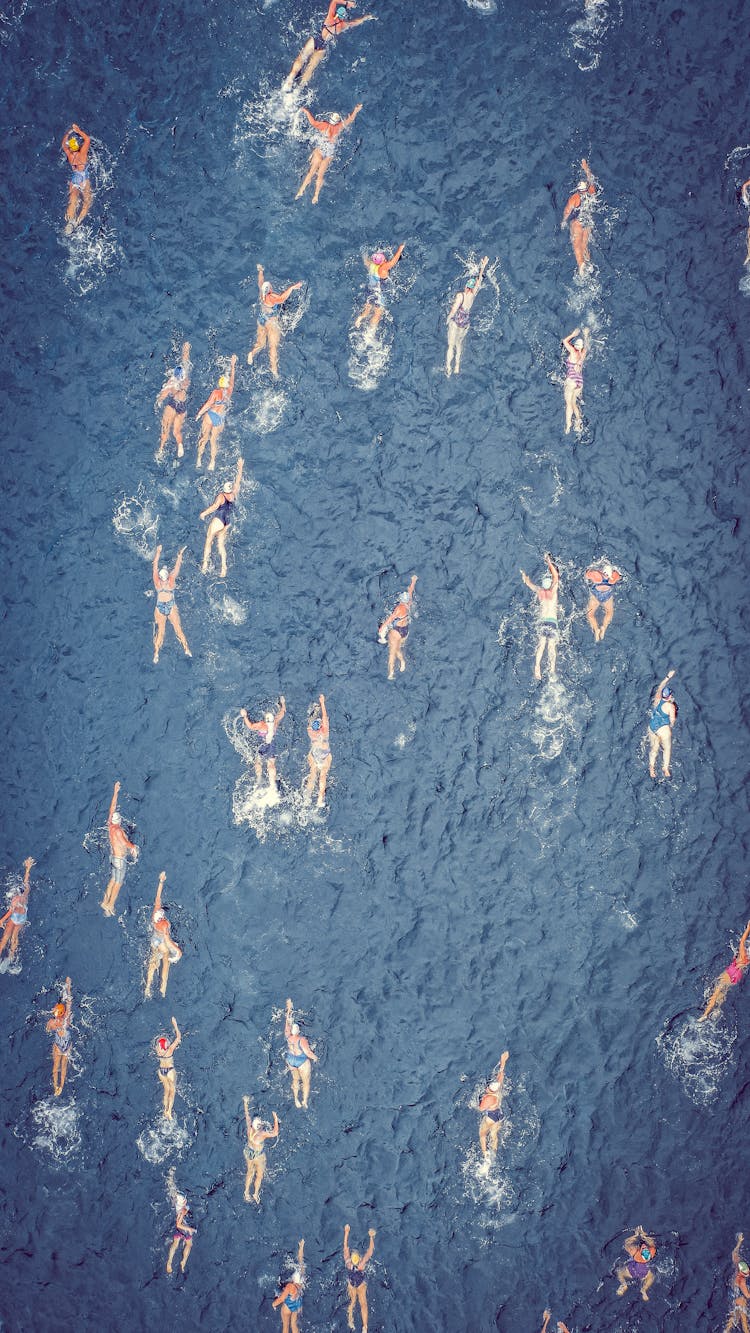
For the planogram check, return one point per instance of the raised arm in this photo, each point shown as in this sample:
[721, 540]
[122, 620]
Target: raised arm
[737, 1247]
[590, 177]
[316, 124]
[155, 566]
[660, 686]
[531, 586]
[545, 1321]
[159, 887]
[238, 475]
[85, 138]
[68, 999]
[185, 358]
[367, 1256]
[28, 863]
[113, 802]
[323, 711]
[350, 119]
[248, 1121]
[742, 951]
[272, 1133]
[552, 567]
[284, 296]
[178, 562]
[568, 342]
[282, 711]
[500, 1074]
[289, 1018]
[177, 1034]
[261, 279]
[252, 726]
[232, 368]
[347, 1253]
[481, 273]
[391, 263]
[301, 1257]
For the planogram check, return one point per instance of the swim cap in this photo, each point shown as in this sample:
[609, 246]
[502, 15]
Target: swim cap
[494, 1086]
[378, 257]
[316, 724]
[743, 1267]
[295, 1029]
[268, 717]
[159, 915]
[116, 817]
[667, 693]
[162, 1043]
[582, 185]
[607, 569]
[74, 143]
[341, 11]
[180, 1200]
[404, 596]
[546, 580]
[59, 1010]
[645, 1252]
[578, 342]
[178, 373]
[257, 1123]
[266, 287]
[297, 1277]
[223, 382]
[335, 118]
[471, 282]
[355, 1257]
[229, 488]
[163, 574]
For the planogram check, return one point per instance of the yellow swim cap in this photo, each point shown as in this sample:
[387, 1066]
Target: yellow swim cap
[223, 382]
[355, 1257]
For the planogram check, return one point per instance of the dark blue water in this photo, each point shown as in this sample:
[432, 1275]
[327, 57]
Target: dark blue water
[495, 868]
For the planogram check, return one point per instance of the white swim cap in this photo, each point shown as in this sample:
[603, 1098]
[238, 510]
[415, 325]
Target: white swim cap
[180, 1200]
[257, 1123]
[494, 1086]
[163, 574]
[268, 717]
[297, 1277]
[335, 118]
[579, 342]
[116, 817]
[606, 569]
[266, 287]
[160, 914]
[546, 580]
[582, 185]
[295, 1029]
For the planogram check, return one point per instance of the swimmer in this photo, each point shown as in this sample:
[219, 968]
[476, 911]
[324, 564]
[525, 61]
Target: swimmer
[290, 1297]
[214, 412]
[298, 1056]
[601, 597]
[165, 609]
[218, 528]
[255, 1155]
[378, 268]
[164, 1050]
[174, 398]
[319, 757]
[268, 332]
[489, 1105]
[660, 724]
[120, 848]
[459, 318]
[183, 1233]
[576, 345]
[395, 629]
[549, 631]
[641, 1249]
[355, 1277]
[59, 1026]
[75, 145]
[164, 951]
[578, 215]
[746, 201]
[738, 1316]
[17, 914]
[313, 51]
[731, 976]
[561, 1327]
[322, 155]
[266, 729]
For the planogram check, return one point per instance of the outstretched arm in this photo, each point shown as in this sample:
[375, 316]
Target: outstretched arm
[531, 586]
[28, 863]
[742, 951]
[354, 23]
[238, 475]
[500, 1074]
[159, 887]
[391, 263]
[323, 711]
[736, 1250]
[68, 998]
[316, 124]
[481, 273]
[273, 1133]
[545, 1320]
[590, 177]
[660, 686]
[301, 1257]
[113, 802]
[552, 569]
[350, 119]
[178, 562]
[282, 711]
[347, 1253]
[155, 566]
[232, 368]
[289, 1018]
[248, 1121]
[367, 1256]
[284, 296]
[261, 279]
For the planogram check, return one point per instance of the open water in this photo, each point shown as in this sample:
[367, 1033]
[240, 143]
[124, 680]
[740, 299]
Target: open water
[495, 868]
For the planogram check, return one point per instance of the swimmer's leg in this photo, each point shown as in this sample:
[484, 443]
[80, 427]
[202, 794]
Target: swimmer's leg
[623, 1277]
[74, 195]
[305, 1072]
[210, 535]
[666, 746]
[260, 1171]
[494, 1135]
[309, 782]
[187, 1247]
[362, 1294]
[164, 973]
[484, 1128]
[460, 336]
[591, 611]
[313, 167]
[271, 766]
[352, 1302]
[451, 348]
[153, 963]
[88, 199]
[609, 611]
[62, 1072]
[394, 640]
[166, 421]
[177, 428]
[249, 1174]
[260, 342]
[717, 997]
[299, 64]
[258, 771]
[653, 750]
[363, 314]
[323, 166]
[295, 1087]
[274, 337]
[647, 1282]
[322, 780]
[203, 438]
[55, 1070]
[312, 65]
[552, 657]
[172, 1250]
[214, 438]
[221, 542]
[160, 625]
[176, 623]
[538, 661]
[6, 937]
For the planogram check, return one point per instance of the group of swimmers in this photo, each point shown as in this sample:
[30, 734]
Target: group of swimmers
[393, 631]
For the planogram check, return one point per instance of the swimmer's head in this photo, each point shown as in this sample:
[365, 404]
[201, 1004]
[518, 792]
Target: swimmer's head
[266, 288]
[295, 1029]
[223, 382]
[315, 724]
[162, 1043]
[228, 488]
[404, 596]
[645, 1253]
[546, 581]
[257, 1123]
[74, 143]
[582, 185]
[743, 1267]
[356, 1257]
[116, 817]
[494, 1086]
[180, 1201]
[164, 574]
[607, 569]
[579, 343]
[378, 257]
[297, 1277]
[178, 373]
[335, 118]
[268, 717]
[471, 283]
[667, 693]
[59, 1010]
[159, 915]
[341, 11]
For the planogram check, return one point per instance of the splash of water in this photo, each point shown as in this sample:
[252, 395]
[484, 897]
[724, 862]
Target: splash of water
[697, 1055]
[137, 524]
[57, 1126]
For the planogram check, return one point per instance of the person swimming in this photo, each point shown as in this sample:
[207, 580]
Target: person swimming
[731, 976]
[335, 22]
[603, 579]
[395, 629]
[641, 1250]
[75, 145]
[319, 758]
[268, 329]
[164, 951]
[378, 268]
[299, 1053]
[745, 196]
[489, 1104]
[356, 1282]
[59, 1026]
[459, 318]
[120, 848]
[17, 915]
[549, 631]
[561, 1327]
[165, 608]
[290, 1296]
[266, 729]
[221, 513]
[164, 1050]
[738, 1315]
[578, 216]
[660, 723]
[576, 345]
[174, 397]
[214, 412]
[183, 1233]
[322, 155]
[255, 1153]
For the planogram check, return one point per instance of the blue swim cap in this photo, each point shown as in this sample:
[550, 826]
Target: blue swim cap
[667, 693]
[178, 373]
[315, 725]
[341, 12]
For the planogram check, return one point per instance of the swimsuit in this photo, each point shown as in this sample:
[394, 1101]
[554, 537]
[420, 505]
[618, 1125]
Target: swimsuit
[79, 178]
[216, 413]
[119, 866]
[224, 512]
[326, 146]
[253, 1154]
[267, 748]
[375, 284]
[574, 372]
[174, 404]
[735, 972]
[659, 718]
[19, 916]
[603, 591]
[216, 418]
[462, 317]
[494, 1116]
[320, 750]
[165, 608]
[355, 1277]
[295, 1058]
[62, 1039]
[181, 1234]
[293, 1303]
[637, 1269]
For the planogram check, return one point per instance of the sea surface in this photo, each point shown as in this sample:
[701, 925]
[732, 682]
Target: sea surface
[495, 869]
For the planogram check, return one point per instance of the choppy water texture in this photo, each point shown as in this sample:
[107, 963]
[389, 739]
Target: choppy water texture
[495, 868]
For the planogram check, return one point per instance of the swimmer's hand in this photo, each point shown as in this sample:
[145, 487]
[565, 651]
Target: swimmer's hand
[372, 1232]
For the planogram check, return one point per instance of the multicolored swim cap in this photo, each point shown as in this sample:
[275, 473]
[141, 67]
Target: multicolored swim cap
[667, 693]
[378, 257]
[223, 382]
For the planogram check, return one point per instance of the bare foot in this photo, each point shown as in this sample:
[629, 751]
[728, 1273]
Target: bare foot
[537, 673]
[156, 658]
[621, 1289]
[169, 1268]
